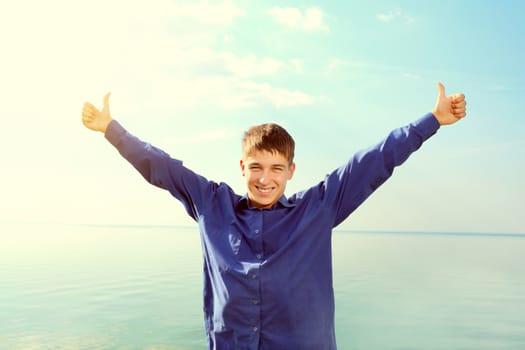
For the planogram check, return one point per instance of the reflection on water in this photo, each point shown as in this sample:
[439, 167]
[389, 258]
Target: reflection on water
[429, 292]
[100, 288]
[73, 287]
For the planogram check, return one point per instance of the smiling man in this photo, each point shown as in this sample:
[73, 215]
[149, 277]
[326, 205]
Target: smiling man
[267, 258]
[267, 163]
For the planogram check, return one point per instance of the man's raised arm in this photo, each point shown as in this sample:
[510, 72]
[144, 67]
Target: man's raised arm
[353, 183]
[155, 165]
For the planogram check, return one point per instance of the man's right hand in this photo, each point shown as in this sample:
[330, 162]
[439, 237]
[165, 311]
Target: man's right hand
[94, 119]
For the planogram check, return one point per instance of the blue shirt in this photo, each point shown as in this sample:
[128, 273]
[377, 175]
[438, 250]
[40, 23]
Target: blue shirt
[268, 273]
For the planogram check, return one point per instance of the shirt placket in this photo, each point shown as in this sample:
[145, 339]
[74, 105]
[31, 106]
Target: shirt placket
[256, 231]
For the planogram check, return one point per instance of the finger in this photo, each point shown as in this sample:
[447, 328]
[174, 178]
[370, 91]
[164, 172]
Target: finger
[87, 119]
[89, 108]
[460, 113]
[89, 105]
[458, 109]
[88, 113]
[106, 100]
[460, 104]
[458, 98]
[441, 90]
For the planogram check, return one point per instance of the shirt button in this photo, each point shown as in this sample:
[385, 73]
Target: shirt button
[257, 231]
[255, 329]
[254, 276]
[259, 256]
[255, 301]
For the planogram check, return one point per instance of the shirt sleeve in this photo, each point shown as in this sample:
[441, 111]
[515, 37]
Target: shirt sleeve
[159, 169]
[348, 186]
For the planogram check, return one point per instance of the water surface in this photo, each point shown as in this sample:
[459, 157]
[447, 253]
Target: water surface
[96, 287]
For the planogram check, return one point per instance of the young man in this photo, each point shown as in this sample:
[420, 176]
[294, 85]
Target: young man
[267, 258]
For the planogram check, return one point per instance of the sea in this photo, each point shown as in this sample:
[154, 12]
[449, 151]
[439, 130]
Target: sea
[140, 287]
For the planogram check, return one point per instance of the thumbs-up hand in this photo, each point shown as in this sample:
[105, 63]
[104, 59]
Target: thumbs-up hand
[96, 119]
[449, 109]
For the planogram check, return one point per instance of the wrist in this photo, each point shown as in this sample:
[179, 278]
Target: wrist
[106, 125]
[435, 114]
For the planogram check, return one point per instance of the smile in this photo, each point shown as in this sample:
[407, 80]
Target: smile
[264, 190]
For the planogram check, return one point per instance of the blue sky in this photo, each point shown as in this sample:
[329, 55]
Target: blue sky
[191, 76]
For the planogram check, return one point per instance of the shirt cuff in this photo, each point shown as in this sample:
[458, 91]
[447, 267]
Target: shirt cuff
[427, 125]
[114, 132]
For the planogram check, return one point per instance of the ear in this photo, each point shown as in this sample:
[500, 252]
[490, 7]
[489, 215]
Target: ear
[291, 171]
[241, 163]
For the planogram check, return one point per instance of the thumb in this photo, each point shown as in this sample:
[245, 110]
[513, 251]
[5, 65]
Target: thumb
[441, 90]
[106, 101]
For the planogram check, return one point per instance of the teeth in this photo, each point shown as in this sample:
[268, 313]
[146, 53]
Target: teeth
[265, 190]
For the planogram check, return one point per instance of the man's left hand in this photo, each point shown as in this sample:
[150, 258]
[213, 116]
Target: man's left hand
[449, 109]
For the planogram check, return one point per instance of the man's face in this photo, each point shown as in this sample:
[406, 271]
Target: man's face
[266, 175]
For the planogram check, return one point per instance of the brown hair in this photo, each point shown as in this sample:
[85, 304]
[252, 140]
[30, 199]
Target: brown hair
[268, 137]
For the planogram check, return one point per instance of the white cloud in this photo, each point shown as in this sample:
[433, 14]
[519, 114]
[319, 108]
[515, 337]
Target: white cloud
[297, 64]
[412, 76]
[336, 64]
[220, 91]
[393, 15]
[233, 93]
[250, 66]
[279, 97]
[311, 19]
[499, 88]
[147, 54]
[222, 79]
[389, 16]
[223, 13]
[203, 137]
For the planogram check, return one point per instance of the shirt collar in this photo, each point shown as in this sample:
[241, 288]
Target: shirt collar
[283, 202]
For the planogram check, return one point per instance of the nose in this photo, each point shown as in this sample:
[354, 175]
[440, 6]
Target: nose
[263, 179]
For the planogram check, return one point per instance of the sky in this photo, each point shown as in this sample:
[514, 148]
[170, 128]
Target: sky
[191, 76]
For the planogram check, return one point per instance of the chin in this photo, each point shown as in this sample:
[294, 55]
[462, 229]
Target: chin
[265, 204]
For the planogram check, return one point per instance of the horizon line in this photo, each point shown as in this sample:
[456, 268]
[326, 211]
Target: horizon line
[335, 230]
